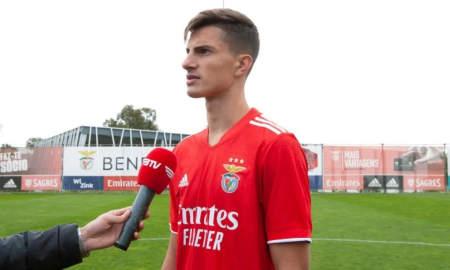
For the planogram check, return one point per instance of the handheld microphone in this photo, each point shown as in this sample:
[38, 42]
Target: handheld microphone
[154, 175]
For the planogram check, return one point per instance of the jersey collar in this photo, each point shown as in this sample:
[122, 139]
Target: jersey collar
[251, 114]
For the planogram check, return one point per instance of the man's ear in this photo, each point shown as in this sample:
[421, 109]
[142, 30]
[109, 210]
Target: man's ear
[243, 65]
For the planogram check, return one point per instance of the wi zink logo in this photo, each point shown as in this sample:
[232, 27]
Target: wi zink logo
[86, 162]
[83, 185]
[151, 163]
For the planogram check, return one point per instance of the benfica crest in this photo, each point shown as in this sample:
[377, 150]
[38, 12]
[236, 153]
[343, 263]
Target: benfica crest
[335, 155]
[86, 162]
[230, 180]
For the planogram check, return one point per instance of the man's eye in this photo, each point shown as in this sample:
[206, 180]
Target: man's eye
[205, 51]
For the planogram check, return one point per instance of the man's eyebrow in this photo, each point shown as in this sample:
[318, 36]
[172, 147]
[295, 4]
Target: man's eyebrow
[201, 47]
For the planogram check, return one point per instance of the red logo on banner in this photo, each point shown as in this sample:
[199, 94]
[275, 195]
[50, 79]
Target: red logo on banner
[423, 182]
[41, 182]
[120, 183]
[345, 182]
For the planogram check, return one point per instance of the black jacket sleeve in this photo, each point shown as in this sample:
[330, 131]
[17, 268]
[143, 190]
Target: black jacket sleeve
[56, 248]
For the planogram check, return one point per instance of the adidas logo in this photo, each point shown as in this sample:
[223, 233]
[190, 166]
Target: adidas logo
[10, 184]
[392, 183]
[374, 183]
[184, 182]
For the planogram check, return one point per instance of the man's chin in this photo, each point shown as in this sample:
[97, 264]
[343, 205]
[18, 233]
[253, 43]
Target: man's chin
[194, 94]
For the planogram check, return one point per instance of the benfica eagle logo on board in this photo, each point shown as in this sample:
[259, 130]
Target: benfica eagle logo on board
[230, 180]
[87, 161]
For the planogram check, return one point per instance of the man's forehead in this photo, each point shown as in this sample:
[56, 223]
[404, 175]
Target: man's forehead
[205, 36]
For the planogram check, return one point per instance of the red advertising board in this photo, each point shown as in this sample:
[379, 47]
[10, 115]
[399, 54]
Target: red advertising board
[344, 166]
[120, 183]
[41, 182]
[392, 167]
[31, 161]
[427, 182]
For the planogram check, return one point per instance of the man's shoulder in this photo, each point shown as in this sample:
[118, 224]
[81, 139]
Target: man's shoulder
[268, 130]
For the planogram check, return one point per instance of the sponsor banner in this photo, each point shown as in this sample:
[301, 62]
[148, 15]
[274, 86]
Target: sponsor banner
[373, 182]
[382, 182]
[315, 182]
[393, 182]
[95, 161]
[355, 160]
[120, 183]
[83, 182]
[423, 182]
[31, 161]
[422, 167]
[10, 183]
[386, 163]
[313, 155]
[350, 182]
[41, 182]
[405, 160]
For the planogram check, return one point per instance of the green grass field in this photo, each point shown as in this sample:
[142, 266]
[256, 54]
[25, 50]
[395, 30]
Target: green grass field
[351, 231]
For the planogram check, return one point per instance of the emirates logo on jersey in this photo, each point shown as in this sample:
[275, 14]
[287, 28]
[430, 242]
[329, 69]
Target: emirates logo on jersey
[230, 180]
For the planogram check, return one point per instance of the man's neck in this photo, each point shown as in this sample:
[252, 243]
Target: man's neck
[223, 112]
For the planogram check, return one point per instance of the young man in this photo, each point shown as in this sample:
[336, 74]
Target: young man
[240, 195]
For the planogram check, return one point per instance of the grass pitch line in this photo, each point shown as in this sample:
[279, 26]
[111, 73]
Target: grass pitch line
[381, 242]
[342, 240]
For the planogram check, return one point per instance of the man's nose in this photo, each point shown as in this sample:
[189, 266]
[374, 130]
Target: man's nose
[189, 62]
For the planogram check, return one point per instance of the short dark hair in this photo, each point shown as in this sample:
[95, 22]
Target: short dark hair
[241, 34]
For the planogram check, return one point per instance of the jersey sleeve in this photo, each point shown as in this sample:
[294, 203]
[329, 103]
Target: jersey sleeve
[174, 204]
[285, 191]
[173, 209]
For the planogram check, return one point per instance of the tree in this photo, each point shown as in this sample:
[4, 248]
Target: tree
[6, 145]
[129, 117]
[31, 142]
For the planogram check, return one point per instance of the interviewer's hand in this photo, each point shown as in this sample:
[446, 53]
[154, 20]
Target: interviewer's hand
[104, 231]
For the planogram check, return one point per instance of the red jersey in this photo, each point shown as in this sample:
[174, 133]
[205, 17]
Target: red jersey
[230, 200]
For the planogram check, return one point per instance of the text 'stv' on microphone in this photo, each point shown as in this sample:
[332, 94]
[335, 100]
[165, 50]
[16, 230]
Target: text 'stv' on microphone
[154, 176]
